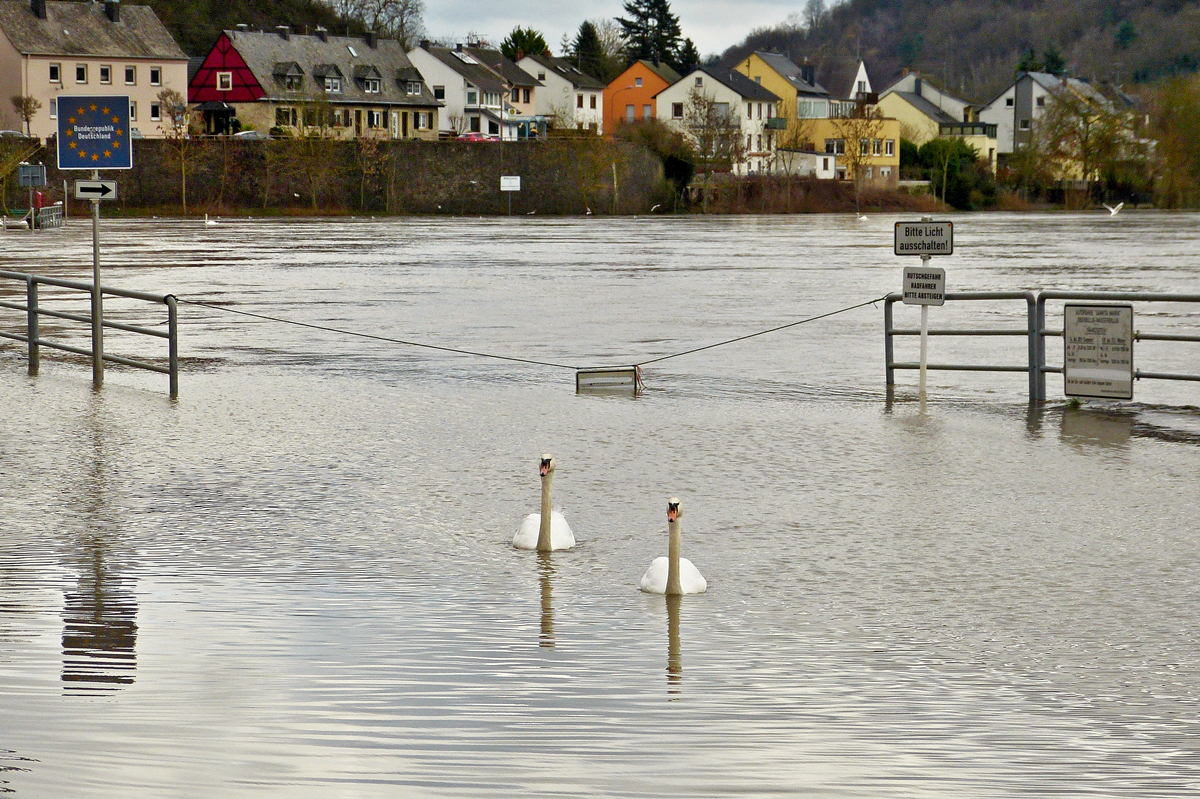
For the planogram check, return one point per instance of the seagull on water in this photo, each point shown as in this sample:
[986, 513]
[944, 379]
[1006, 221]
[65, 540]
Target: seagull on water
[655, 207]
[1114, 211]
[588, 212]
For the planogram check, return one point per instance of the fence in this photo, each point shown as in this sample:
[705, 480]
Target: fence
[1035, 331]
[34, 312]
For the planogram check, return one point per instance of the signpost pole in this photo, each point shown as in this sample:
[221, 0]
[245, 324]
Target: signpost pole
[97, 301]
[924, 335]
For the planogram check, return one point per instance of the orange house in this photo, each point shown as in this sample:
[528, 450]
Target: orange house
[630, 97]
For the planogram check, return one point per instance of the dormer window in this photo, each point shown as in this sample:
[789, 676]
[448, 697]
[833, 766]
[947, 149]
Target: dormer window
[333, 84]
[293, 82]
[414, 87]
[372, 85]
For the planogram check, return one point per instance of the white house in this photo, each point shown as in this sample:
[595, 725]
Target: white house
[474, 95]
[748, 110]
[860, 87]
[1015, 109]
[569, 96]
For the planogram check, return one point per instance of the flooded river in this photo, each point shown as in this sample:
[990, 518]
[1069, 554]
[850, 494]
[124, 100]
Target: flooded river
[297, 580]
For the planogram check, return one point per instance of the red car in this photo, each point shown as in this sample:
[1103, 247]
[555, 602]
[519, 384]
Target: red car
[476, 136]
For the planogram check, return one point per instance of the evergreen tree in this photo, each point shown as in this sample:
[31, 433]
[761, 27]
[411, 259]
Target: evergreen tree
[688, 57]
[1029, 62]
[1055, 64]
[522, 42]
[652, 31]
[587, 52]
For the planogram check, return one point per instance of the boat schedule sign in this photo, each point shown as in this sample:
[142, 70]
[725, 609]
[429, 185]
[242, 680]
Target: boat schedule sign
[510, 183]
[93, 133]
[1098, 351]
[924, 238]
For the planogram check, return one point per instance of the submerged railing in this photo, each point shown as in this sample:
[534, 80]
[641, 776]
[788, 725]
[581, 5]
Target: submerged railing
[1035, 332]
[33, 337]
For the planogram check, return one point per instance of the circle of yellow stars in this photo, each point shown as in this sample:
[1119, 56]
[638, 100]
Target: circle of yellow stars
[112, 145]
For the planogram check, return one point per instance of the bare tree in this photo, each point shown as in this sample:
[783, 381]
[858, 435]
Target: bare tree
[858, 130]
[716, 130]
[176, 129]
[27, 108]
[814, 14]
[1083, 136]
[796, 137]
[395, 19]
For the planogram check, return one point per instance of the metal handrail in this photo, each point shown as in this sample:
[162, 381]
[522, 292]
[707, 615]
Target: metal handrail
[35, 342]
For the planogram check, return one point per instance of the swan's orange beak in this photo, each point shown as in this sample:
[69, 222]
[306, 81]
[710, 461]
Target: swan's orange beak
[544, 469]
[672, 512]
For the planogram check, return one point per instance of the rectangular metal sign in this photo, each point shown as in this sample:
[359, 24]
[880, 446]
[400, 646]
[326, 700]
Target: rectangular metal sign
[622, 378]
[1098, 351]
[93, 133]
[924, 238]
[95, 190]
[31, 176]
[924, 285]
[510, 183]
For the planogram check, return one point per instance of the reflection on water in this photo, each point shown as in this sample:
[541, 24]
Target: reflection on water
[674, 651]
[10, 763]
[99, 616]
[546, 580]
[1083, 427]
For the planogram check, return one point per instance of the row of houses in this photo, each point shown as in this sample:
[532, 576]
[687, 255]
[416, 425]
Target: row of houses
[775, 113]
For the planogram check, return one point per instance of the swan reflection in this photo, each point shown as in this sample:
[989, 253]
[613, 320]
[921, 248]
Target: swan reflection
[546, 579]
[674, 652]
[99, 616]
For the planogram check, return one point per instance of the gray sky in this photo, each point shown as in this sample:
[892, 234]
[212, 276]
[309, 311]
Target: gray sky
[712, 24]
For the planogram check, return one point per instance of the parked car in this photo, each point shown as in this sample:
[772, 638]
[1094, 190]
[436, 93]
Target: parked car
[251, 135]
[476, 136]
[12, 134]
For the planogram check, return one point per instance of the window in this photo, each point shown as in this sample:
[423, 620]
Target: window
[56, 73]
[824, 164]
[439, 92]
[758, 79]
[105, 73]
[156, 76]
[155, 112]
[647, 111]
[1041, 102]
[472, 97]
[676, 110]
[759, 148]
[862, 87]
[333, 84]
[81, 73]
[374, 119]
[889, 147]
[835, 146]
[292, 82]
[372, 86]
[473, 123]
[868, 175]
[414, 87]
[749, 141]
[770, 111]
[885, 171]
[699, 81]
[285, 116]
[749, 110]
[593, 101]
[130, 76]
[542, 76]
[224, 81]
[1008, 102]
[310, 117]
[133, 110]
[54, 108]
[760, 110]
[516, 95]
[864, 146]
[629, 113]
[877, 147]
[1024, 124]
[637, 82]
[579, 101]
[493, 127]
[525, 94]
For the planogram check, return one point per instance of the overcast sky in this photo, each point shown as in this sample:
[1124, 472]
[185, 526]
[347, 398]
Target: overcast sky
[712, 24]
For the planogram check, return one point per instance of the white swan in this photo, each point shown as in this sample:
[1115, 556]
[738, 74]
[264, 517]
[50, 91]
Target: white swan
[673, 575]
[862, 217]
[208, 222]
[547, 530]
[1114, 211]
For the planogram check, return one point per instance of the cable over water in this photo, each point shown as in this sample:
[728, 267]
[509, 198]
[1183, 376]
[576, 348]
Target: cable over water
[513, 359]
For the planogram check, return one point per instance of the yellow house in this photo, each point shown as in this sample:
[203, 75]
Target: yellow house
[817, 122]
[926, 112]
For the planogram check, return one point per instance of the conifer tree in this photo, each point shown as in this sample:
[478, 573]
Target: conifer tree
[587, 51]
[652, 31]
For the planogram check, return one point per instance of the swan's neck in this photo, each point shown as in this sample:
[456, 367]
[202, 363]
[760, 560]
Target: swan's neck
[673, 547]
[543, 544]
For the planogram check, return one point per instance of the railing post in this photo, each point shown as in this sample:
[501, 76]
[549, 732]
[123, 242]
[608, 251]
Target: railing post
[1040, 355]
[1034, 369]
[31, 325]
[173, 343]
[888, 358]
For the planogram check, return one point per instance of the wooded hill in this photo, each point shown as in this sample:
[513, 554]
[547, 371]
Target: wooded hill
[195, 24]
[973, 47]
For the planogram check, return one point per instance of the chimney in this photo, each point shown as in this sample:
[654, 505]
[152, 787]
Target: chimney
[242, 27]
[371, 38]
[808, 74]
[918, 85]
[323, 33]
[458, 47]
[424, 44]
[112, 9]
[284, 32]
[39, 8]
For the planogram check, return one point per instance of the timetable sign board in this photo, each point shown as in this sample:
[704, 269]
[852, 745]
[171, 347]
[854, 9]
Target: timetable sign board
[93, 132]
[924, 238]
[1098, 351]
[924, 285]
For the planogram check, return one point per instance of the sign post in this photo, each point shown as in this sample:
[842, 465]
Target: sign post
[924, 285]
[34, 177]
[1098, 351]
[93, 133]
[509, 184]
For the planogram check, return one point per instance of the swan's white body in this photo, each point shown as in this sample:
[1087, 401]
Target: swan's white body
[673, 575]
[547, 530]
[1113, 211]
[208, 222]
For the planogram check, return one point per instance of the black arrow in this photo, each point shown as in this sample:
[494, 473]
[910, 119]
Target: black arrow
[103, 190]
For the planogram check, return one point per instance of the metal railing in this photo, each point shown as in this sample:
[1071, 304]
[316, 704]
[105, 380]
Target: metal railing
[50, 217]
[1035, 332]
[34, 312]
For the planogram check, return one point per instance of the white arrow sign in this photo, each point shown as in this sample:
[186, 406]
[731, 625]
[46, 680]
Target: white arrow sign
[95, 190]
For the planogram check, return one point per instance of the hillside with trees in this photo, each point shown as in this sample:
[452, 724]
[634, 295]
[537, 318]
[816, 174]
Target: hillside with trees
[973, 47]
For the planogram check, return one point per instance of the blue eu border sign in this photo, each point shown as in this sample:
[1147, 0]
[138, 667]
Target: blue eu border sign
[93, 133]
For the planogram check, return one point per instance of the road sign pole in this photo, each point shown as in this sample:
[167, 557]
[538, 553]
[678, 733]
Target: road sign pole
[97, 300]
[924, 335]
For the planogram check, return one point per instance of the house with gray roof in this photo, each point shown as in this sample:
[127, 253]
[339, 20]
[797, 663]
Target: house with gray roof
[1015, 110]
[570, 98]
[336, 86]
[483, 91]
[737, 109]
[927, 112]
[51, 49]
